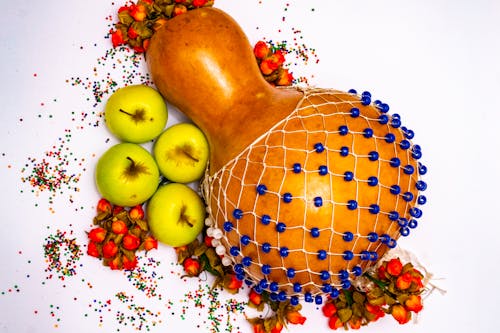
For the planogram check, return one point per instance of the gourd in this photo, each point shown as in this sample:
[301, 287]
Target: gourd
[306, 188]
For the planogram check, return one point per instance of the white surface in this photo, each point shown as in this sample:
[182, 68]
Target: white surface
[435, 62]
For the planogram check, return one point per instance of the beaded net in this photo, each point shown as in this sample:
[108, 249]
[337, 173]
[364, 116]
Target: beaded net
[318, 198]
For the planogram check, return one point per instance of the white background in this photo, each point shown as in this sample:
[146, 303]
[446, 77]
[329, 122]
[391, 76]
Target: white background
[436, 62]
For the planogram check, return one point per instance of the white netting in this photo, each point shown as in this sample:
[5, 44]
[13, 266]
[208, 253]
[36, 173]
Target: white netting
[319, 197]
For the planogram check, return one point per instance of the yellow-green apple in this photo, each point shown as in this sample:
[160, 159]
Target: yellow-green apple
[136, 113]
[182, 152]
[127, 174]
[176, 214]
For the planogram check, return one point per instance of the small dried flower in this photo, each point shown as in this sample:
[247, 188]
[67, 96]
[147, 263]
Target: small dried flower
[404, 281]
[97, 235]
[329, 309]
[232, 283]
[334, 322]
[92, 250]
[150, 243]
[400, 313]
[261, 50]
[116, 263]
[119, 227]
[104, 206]
[131, 242]
[258, 328]
[394, 267]
[136, 213]
[277, 328]
[129, 264]
[294, 317]
[109, 249]
[191, 266]
[138, 12]
[255, 298]
[414, 303]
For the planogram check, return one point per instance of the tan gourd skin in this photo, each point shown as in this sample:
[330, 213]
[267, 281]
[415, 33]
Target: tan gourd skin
[206, 68]
[203, 63]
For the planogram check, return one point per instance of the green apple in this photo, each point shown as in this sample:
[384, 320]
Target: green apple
[176, 214]
[182, 152]
[136, 113]
[127, 174]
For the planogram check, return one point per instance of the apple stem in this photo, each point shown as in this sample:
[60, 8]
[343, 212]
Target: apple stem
[183, 218]
[130, 114]
[187, 152]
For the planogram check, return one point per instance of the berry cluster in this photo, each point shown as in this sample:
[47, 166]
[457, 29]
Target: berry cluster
[393, 289]
[270, 60]
[119, 234]
[138, 21]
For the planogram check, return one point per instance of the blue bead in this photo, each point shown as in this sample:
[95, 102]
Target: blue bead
[297, 168]
[284, 251]
[258, 289]
[323, 170]
[261, 189]
[373, 156]
[282, 296]
[421, 185]
[324, 275]
[377, 102]
[395, 189]
[280, 227]
[417, 154]
[385, 239]
[404, 231]
[319, 147]
[238, 268]
[248, 282]
[352, 91]
[404, 144]
[348, 176]
[374, 209]
[415, 212]
[390, 138]
[396, 116]
[352, 204]
[245, 240]
[263, 283]
[366, 94]
[326, 288]
[383, 119]
[266, 269]
[287, 197]
[422, 199]
[234, 251]
[393, 216]
[392, 244]
[373, 256]
[344, 151]
[228, 226]
[273, 297]
[237, 213]
[354, 112]
[343, 130]
[290, 273]
[372, 181]
[348, 255]
[365, 255]
[366, 100]
[357, 271]
[383, 107]
[294, 300]
[265, 219]
[322, 254]
[335, 293]
[395, 122]
[266, 247]
[407, 196]
[315, 232]
[408, 169]
[240, 277]
[422, 169]
[246, 261]
[318, 300]
[273, 286]
[395, 162]
[372, 236]
[413, 223]
[318, 202]
[297, 287]
[308, 297]
[409, 134]
[346, 284]
[368, 133]
[416, 147]
[348, 236]
[403, 222]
